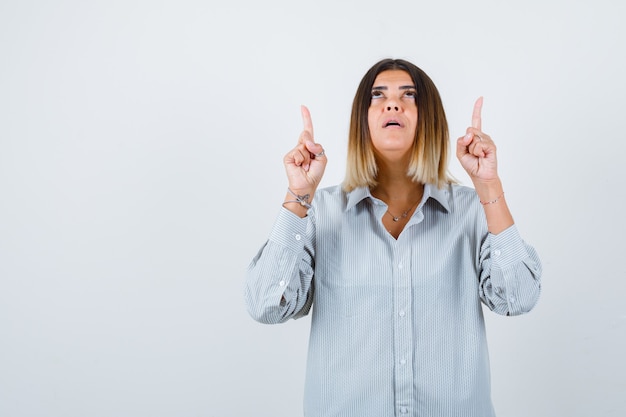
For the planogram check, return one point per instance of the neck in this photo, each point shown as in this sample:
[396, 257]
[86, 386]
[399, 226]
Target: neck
[394, 185]
[404, 195]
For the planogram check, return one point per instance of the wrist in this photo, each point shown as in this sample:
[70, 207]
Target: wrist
[494, 201]
[488, 191]
[295, 197]
[296, 208]
[301, 191]
[297, 203]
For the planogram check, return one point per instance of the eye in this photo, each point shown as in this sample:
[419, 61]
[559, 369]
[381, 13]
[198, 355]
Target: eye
[411, 94]
[377, 94]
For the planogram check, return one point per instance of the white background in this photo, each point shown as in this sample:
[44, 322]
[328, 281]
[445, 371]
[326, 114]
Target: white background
[141, 147]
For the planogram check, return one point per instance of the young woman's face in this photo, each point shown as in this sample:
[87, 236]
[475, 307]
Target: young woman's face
[392, 115]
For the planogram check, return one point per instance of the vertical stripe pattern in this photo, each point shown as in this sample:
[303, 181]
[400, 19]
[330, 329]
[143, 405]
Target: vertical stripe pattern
[397, 326]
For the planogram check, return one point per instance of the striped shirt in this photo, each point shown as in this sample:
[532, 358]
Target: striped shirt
[397, 327]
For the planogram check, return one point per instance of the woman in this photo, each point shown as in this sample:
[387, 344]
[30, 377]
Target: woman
[397, 260]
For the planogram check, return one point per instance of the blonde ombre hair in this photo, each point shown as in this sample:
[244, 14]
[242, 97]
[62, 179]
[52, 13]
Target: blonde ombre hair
[429, 158]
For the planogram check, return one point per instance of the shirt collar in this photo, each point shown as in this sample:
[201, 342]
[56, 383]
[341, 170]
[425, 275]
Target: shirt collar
[356, 195]
[440, 195]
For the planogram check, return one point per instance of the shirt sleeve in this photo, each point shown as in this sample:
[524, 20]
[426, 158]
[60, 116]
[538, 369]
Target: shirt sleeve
[510, 277]
[279, 281]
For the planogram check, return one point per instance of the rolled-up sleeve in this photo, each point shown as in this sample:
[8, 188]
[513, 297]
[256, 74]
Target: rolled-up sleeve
[279, 280]
[510, 277]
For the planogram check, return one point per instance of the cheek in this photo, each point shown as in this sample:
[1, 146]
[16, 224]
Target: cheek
[414, 115]
[371, 119]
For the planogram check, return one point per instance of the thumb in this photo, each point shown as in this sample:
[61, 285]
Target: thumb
[315, 149]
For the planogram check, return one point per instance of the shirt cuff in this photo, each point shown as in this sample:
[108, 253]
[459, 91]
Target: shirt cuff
[507, 247]
[289, 230]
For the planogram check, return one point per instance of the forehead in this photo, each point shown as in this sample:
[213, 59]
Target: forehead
[393, 78]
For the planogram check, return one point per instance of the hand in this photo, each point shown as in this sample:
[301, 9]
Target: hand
[476, 151]
[306, 162]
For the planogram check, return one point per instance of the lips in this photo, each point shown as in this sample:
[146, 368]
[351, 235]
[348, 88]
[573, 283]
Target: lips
[392, 123]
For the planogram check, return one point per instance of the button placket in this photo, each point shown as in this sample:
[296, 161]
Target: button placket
[402, 322]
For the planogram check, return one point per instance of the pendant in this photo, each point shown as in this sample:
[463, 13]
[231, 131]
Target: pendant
[402, 216]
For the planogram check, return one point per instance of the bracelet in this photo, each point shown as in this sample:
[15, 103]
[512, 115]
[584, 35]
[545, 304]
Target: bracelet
[303, 200]
[484, 203]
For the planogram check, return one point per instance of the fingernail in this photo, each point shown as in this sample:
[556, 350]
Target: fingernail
[468, 136]
[306, 167]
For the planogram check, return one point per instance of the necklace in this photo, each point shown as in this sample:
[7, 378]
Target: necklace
[404, 213]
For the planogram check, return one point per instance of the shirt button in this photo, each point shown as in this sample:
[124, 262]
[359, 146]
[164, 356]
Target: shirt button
[404, 410]
[402, 361]
[512, 299]
[298, 237]
[281, 283]
[498, 290]
[401, 313]
[400, 265]
[497, 252]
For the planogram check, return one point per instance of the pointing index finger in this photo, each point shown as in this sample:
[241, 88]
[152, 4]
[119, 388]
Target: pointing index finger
[476, 118]
[306, 120]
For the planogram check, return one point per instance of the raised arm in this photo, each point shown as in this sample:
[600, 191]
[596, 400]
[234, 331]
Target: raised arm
[510, 279]
[279, 279]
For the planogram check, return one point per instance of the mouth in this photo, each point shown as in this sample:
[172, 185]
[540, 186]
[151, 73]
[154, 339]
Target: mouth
[392, 123]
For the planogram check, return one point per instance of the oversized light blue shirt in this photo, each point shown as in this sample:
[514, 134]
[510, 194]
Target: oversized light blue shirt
[397, 327]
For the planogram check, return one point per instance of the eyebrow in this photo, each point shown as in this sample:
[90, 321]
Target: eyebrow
[402, 87]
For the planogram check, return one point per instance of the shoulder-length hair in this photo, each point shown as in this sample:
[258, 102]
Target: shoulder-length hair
[429, 158]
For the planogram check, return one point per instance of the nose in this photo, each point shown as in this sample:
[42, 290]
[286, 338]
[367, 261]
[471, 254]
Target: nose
[392, 104]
